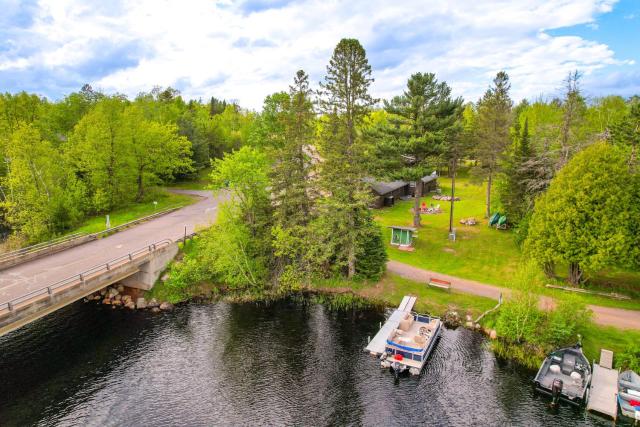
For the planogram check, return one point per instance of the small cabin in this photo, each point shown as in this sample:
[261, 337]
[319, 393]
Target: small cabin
[386, 193]
[403, 237]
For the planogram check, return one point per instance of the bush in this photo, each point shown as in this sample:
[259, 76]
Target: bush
[519, 318]
[630, 358]
[372, 261]
[564, 323]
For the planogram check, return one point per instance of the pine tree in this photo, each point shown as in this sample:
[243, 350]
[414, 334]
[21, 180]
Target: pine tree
[494, 120]
[345, 102]
[290, 178]
[420, 132]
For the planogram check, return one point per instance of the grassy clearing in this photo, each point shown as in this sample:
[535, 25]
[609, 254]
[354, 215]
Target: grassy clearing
[200, 182]
[165, 199]
[482, 253]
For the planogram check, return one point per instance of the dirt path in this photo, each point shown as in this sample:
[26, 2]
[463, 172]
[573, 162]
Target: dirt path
[606, 316]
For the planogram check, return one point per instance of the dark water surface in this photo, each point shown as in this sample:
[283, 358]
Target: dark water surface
[227, 364]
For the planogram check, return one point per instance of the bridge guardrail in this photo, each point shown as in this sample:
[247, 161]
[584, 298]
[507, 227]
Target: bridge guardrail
[45, 247]
[48, 290]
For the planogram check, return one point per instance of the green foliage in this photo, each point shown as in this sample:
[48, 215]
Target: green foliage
[588, 227]
[492, 131]
[520, 319]
[346, 102]
[107, 151]
[420, 130]
[372, 254]
[565, 322]
[630, 357]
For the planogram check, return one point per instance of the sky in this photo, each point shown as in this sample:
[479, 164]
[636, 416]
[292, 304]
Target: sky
[246, 50]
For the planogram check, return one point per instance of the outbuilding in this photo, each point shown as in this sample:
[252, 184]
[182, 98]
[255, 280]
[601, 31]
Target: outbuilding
[386, 193]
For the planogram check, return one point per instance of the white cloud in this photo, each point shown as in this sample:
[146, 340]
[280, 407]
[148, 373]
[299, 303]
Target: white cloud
[223, 49]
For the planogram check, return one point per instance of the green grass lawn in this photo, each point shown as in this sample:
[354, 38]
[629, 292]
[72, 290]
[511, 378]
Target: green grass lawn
[165, 199]
[482, 253]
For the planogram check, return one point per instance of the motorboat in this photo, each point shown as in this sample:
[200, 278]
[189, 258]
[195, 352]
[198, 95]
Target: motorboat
[565, 375]
[629, 394]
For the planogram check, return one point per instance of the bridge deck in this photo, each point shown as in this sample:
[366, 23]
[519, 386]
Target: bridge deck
[22, 279]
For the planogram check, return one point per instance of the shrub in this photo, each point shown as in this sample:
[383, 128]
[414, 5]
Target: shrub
[630, 358]
[562, 325]
[519, 318]
[372, 261]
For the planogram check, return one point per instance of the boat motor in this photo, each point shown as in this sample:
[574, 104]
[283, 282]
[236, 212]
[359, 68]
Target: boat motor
[556, 390]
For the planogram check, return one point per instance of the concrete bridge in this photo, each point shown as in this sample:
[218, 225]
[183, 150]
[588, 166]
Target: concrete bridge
[134, 257]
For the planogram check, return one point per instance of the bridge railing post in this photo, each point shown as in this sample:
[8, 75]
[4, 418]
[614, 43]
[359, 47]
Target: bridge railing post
[10, 306]
[49, 291]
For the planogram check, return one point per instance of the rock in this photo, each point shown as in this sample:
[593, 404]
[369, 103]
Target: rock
[85, 299]
[166, 306]
[155, 310]
[469, 325]
[118, 297]
[130, 305]
[468, 318]
[120, 288]
[112, 292]
[126, 298]
[116, 302]
[165, 277]
[478, 326]
[106, 301]
[141, 303]
[153, 303]
[451, 319]
[103, 292]
[493, 334]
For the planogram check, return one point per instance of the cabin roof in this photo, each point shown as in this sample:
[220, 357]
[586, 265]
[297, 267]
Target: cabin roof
[382, 188]
[397, 227]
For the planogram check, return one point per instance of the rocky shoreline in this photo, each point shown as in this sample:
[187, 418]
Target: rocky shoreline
[119, 296]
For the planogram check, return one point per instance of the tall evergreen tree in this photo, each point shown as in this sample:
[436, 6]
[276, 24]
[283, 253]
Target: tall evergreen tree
[514, 193]
[290, 178]
[492, 130]
[420, 132]
[345, 102]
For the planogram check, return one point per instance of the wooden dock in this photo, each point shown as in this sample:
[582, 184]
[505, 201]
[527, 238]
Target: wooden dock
[377, 344]
[603, 395]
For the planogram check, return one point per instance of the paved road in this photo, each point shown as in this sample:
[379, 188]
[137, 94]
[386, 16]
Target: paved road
[18, 280]
[607, 316]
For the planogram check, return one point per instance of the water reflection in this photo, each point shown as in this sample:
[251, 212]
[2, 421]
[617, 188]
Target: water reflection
[223, 364]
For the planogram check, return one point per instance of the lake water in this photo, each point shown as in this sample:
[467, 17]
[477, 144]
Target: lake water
[233, 364]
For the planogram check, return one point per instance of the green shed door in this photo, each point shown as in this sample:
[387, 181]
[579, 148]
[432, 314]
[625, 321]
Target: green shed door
[406, 237]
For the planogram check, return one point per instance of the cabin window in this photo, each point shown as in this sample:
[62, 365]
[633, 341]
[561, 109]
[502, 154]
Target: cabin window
[417, 357]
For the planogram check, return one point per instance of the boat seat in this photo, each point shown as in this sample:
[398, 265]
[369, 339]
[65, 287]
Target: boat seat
[405, 324]
[419, 340]
[568, 363]
[554, 369]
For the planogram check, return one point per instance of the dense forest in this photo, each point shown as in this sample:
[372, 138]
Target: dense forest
[90, 152]
[563, 169]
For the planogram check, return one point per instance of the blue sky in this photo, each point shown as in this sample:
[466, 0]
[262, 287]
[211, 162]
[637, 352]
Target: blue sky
[245, 50]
